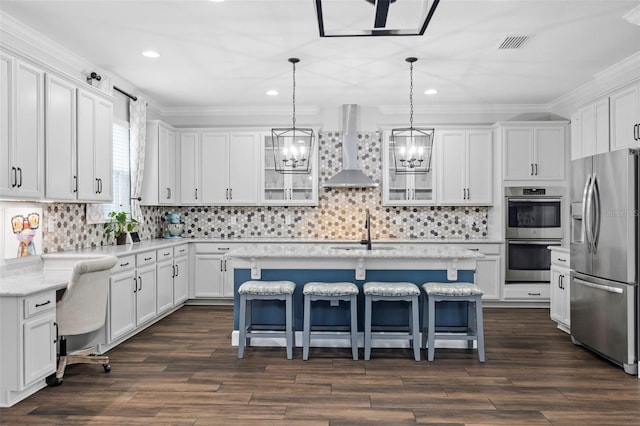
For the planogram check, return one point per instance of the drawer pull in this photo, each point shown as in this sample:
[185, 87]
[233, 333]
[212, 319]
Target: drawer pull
[474, 249]
[534, 294]
[562, 260]
[223, 248]
[148, 258]
[124, 264]
[43, 304]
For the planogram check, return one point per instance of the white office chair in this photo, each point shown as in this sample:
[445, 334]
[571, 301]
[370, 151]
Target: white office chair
[82, 309]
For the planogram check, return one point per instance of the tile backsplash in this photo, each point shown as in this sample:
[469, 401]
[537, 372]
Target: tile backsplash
[339, 215]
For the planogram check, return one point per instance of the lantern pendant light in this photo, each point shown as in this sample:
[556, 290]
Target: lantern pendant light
[412, 146]
[292, 147]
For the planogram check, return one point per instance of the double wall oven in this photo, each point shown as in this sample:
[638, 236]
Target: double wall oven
[533, 222]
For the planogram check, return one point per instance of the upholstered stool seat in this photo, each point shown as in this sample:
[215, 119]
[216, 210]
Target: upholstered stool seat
[340, 291]
[265, 290]
[392, 292]
[453, 292]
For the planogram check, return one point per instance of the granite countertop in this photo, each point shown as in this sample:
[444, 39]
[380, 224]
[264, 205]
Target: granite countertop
[353, 251]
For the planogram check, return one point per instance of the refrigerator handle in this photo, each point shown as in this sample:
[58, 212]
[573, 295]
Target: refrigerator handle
[598, 211]
[606, 288]
[586, 212]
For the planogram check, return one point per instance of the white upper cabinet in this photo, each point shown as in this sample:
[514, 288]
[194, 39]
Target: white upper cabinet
[219, 168]
[590, 130]
[159, 186]
[95, 147]
[405, 189]
[625, 118]
[465, 166]
[21, 129]
[60, 135]
[287, 189]
[534, 152]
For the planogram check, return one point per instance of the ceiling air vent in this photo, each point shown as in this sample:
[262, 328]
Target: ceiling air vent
[514, 41]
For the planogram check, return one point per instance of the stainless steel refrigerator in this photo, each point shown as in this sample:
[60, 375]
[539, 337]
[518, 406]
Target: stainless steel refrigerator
[604, 256]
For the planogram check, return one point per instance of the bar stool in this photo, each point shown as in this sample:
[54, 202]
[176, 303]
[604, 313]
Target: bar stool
[392, 292]
[265, 290]
[316, 291]
[453, 292]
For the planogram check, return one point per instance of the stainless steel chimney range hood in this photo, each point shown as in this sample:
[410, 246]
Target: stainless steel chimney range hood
[350, 176]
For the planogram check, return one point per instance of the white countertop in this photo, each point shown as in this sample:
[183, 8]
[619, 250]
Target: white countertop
[401, 251]
[33, 282]
[560, 249]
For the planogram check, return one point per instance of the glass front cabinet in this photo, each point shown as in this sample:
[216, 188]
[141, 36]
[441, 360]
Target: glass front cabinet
[405, 189]
[288, 189]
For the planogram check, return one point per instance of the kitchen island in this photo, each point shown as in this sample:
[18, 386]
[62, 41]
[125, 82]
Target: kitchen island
[304, 263]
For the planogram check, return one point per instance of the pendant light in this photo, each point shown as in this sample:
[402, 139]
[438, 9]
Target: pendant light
[412, 146]
[292, 147]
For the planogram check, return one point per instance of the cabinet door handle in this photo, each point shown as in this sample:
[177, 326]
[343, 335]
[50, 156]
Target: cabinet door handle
[148, 258]
[135, 284]
[562, 260]
[168, 193]
[225, 265]
[177, 270]
[226, 196]
[531, 174]
[196, 193]
[173, 267]
[124, 264]
[536, 169]
[75, 184]
[15, 177]
[97, 186]
[231, 193]
[139, 283]
[221, 265]
[20, 170]
[43, 303]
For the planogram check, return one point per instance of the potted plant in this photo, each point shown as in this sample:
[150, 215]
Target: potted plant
[120, 224]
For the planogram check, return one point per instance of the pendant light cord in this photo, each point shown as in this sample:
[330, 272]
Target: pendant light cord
[411, 95]
[294, 95]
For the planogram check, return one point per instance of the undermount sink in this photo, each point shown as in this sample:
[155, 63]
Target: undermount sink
[360, 248]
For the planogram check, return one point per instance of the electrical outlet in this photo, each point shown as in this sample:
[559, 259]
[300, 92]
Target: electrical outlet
[287, 220]
[334, 303]
[233, 220]
[51, 225]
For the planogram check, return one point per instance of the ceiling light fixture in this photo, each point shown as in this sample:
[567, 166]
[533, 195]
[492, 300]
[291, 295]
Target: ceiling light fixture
[431, 92]
[412, 146]
[272, 92]
[357, 18]
[150, 54]
[292, 147]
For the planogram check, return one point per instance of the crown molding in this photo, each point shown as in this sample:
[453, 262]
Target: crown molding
[466, 109]
[604, 82]
[226, 111]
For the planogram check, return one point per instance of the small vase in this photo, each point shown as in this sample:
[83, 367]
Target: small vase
[121, 239]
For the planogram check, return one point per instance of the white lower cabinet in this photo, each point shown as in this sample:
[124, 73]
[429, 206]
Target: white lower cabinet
[212, 278]
[560, 289]
[132, 293]
[172, 276]
[28, 344]
[488, 269]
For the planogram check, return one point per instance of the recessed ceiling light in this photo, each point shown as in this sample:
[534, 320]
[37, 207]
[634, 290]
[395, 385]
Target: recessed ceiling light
[150, 54]
[272, 92]
[431, 91]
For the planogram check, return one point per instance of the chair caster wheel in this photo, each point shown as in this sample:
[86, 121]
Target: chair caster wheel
[53, 381]
[106, 367]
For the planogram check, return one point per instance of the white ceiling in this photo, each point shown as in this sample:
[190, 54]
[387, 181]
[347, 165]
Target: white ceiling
[229, 54]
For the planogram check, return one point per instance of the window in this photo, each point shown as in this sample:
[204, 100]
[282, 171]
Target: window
[121, 171]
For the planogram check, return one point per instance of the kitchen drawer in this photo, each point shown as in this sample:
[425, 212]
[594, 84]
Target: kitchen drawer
[214, 248]
[527, 291]
[38, 303]
[164, 254]
[482, 248]
[147, 258]
[124, 263]
[182, 250]
[559, 258]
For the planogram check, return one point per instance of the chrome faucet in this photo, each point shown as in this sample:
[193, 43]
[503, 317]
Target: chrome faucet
[367, 226]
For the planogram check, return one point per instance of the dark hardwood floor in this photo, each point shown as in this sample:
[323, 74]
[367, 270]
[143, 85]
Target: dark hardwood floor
[183, 370]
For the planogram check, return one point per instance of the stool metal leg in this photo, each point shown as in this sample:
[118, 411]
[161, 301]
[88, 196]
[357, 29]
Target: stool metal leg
[431, 329]
[480, 329]
[354, 327]
[367, 327]
[242, 317]
[415, 328]
[306, 331]
[290, 337]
